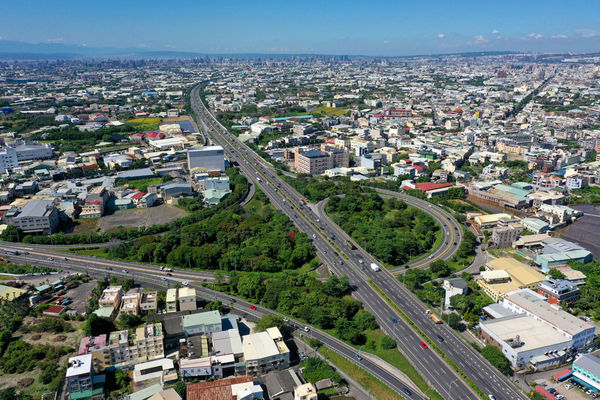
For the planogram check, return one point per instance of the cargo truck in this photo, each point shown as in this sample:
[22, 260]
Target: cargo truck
[374, 267]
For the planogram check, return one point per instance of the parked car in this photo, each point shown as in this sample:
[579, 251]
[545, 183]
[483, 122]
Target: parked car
[424, 345]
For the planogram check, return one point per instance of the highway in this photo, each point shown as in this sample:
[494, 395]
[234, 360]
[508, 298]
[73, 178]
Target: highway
[344, 261]
[153, 276]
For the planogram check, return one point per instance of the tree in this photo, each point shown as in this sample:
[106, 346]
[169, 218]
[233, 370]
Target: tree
[180, 388]
[12, 234]
[453, 320]
[129, 321]
[556, 274]
[364, 320]
[269, 321]
[495, 356]
[96, 325]
[440, 268]
[387, 343]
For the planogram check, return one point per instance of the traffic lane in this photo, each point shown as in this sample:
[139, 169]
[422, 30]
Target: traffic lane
[350, 274]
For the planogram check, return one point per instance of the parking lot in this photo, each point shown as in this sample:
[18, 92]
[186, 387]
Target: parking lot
[543, 379]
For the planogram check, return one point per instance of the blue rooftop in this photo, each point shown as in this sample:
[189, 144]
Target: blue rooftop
[314, 154]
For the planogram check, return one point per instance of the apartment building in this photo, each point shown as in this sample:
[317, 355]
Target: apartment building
[82, 382]
[187, 299]
[149, 301]
[111, 297]
[172, 300]
[265, 352]
[147, 344]
[8, 159]
[130, 302]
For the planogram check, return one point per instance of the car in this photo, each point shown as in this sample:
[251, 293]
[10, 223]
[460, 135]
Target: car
[440, 337]
[125, 271]
[491, 397]
[306, 329]
[568, 386]
[253, 307]
[407, 391]
[551, 390]
[394, 320]
[109, 268]
[50, 259]
[360, 261]
[340, 262]
[357, 356]
[424, 345]
[185, 283]
[589, 391]
[169, 274]
[163, 278]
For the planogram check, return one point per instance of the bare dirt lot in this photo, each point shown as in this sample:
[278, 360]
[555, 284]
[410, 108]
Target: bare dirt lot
[137, 217]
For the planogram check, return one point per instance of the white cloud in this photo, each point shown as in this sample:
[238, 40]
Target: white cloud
[386, 41]
[587, 33]
[534, 35]
[55, 40]
[441, 35]
[559, 36]
[479, 39]
[495, 32]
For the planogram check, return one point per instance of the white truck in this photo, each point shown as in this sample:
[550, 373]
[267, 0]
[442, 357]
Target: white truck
[374, 267]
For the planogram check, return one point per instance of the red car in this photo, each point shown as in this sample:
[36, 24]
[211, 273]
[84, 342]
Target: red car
[424, 345]
[253, 307]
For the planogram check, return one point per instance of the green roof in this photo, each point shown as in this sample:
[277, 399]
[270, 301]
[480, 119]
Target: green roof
[88, 394]
[104, 312]
[146, 392]
[203, 318]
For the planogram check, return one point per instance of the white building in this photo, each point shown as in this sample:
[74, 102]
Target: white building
[454, 286]
[526, 301]
[265, 352]
[8, 159]
[525, 341]
[208, 158]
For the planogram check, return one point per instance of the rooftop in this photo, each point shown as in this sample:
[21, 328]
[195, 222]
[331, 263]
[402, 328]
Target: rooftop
[259, 345]
[215, 390]
[203, 318]
[532, 333]
[588, 362]
[79, 365]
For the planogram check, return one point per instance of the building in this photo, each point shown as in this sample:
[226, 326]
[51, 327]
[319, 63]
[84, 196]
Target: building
[237, 388]
[525, 341]
[546, 261]
[8, 159]
[307, 391]
[559, 291]
[454, 286]
[207, 158]
[265, 352]
[505, 274]
[111, 297]
[202, 323]
[526, 301]
[535, 225]
[162, 369]
[171, 300]
[187, 299]
[33, 151]
[147, 344]
[314, 162]
[489, 221]
[586, 371]
[149, 301]
[37, 216]
[82, 382]
[130, 302]
[505, 235]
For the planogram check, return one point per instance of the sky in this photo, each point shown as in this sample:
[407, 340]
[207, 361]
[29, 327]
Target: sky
[381, 28]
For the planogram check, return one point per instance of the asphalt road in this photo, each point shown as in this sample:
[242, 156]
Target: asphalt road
[152, 276]
[344, 261]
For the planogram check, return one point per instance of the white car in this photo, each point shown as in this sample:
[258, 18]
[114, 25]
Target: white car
[185, 283]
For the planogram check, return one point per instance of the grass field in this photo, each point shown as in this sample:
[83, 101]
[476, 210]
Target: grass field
[144, 124]
[330, 111]
[141, 184]
[377, 388]
[394, 357]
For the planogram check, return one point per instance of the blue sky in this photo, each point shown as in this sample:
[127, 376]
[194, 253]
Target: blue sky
[327, 26]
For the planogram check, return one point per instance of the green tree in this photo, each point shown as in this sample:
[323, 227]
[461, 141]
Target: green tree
[96, 325]
[364, 320]
[181, 389]
[453, 320]
[269, 321]
[440, 268]
[556, 274]
[495, 356]
[129, 321]
[387, 343]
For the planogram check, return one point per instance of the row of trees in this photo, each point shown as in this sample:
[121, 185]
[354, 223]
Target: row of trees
[389, 229]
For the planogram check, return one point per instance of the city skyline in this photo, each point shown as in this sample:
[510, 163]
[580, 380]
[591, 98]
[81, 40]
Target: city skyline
[333, 28]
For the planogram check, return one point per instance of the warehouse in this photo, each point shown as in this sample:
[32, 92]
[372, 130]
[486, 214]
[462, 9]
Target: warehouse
[525, 341]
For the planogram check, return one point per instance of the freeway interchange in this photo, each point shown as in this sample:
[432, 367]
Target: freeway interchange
[344, 261]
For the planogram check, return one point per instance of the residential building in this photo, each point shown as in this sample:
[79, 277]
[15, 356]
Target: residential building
[81, 381]
[265, 351]
[307, 391]
[37, 216]
[202, 323]
[171, 300]
[559, 291]
[206, 158]
[238, 388]
[149, 301]
[33, 151]
[314, 162]
[161, 370]
[130, 302]
[187, 299]
[147, 343]
[111, 297]
[454, 286]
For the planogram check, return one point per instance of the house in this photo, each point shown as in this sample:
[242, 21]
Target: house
[237, 388]
[130, 302]
[265, 352]
[454, 286]
[307, 391]
[148, 200]
[171, 300]
[429, 188]
[149, 301]
[111, 297]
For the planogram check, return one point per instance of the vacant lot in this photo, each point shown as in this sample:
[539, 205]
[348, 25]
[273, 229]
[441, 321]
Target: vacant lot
[137, 217]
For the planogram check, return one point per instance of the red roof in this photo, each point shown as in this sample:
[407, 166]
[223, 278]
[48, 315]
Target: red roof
[215, 390]
[138, 195]
[427, 186]
[54, 309]
[544, 392]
